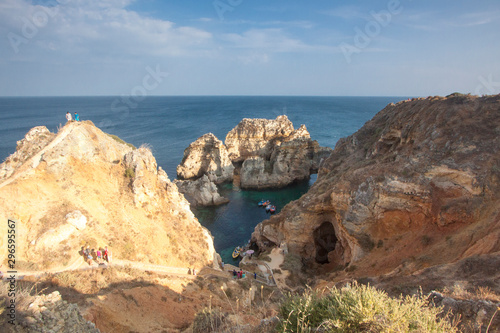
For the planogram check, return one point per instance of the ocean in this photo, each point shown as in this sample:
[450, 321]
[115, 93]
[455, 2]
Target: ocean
[169, 124]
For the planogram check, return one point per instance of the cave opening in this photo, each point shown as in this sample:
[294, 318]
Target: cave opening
[325, 241]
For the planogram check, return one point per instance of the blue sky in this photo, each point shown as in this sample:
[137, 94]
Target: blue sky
[243, 47]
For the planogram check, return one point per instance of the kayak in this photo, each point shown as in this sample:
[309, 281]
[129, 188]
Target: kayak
[236, 252]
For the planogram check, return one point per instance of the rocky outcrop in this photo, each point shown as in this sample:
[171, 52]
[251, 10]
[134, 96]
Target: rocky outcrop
[292, 158]
[206, 163]
[35, 140]
[266, 154]
[201, 192]
[206, 156]
[257, 137]
[478, 314]
[50, 313]
[123, 198]
[421, 178]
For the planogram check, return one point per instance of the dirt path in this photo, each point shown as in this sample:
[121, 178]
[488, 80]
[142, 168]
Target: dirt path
[80, 264]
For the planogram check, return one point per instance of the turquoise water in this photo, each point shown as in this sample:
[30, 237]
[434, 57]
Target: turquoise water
[169, 124]
[232, 224]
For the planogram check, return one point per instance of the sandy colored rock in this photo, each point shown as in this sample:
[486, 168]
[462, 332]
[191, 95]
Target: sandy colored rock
[256, 137]
[129, 203]
[420, 180]
[200, 192]
[206, 156]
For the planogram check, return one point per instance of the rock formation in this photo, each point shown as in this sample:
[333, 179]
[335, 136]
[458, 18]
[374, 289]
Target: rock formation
[272, 153]
[84, 187]
[206, 156]
[50, 313]
[35, 140]
[293, 158]
[200, 192]
[266, 153]
[419, 181]
[257, 137]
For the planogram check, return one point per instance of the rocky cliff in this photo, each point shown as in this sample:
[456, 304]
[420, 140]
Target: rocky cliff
[262, 153]
[83, 187]
[418, 185]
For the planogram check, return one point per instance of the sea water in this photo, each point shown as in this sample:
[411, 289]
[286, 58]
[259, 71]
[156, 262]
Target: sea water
[169, 124]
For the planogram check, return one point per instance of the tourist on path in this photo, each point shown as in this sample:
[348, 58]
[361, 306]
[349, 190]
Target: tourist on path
[68, 116]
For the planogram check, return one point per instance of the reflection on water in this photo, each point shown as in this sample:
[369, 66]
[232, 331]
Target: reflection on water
[232, 224]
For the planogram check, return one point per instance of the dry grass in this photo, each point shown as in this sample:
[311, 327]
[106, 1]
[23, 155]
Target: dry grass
[480, 293]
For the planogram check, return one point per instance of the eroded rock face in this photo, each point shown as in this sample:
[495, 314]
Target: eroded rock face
[293, 158]
[257, 137]
[417, 177]
[35, 140]
[126, 199]
[200, 192]
[50, 313]
[267, 153]
[206, 156]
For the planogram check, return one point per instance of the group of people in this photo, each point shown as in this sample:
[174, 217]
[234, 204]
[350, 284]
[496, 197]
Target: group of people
[238, 275]
[69, 118]
[99, 256]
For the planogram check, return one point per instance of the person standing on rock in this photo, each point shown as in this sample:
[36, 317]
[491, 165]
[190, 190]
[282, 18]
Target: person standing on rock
[77, 117]
[68, 116]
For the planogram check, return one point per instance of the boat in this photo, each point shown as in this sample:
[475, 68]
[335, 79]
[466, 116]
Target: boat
[264, 203]
[272, 210]
[268, 207]
[236, 252]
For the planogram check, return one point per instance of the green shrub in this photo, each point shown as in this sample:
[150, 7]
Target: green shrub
[359, 308]
[129, 173]
[117, 139]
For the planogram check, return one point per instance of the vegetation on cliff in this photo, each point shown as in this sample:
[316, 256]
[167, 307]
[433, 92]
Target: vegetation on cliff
[359, 308]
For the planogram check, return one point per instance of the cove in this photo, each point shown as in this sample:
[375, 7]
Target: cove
[232, 224]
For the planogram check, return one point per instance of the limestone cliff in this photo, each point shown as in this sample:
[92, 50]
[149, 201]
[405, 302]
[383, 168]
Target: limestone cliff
[83, 187]
[201, 192]
[273, 154]
[418, 185]
[206, 156]
[262, 153]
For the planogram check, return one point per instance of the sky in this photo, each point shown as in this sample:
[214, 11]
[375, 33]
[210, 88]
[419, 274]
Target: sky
[249, 47]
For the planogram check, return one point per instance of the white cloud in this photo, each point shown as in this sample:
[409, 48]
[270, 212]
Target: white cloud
[99, 27]
[274, 40]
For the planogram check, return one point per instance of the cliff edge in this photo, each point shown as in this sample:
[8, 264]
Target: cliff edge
[416, 186]
[82, 187]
